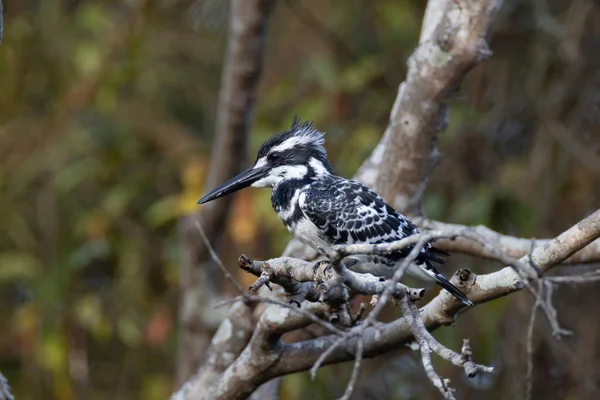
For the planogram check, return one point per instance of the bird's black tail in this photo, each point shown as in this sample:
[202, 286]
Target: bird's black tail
[445, 283]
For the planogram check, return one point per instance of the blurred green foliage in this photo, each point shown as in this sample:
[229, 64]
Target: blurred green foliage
[106, 116]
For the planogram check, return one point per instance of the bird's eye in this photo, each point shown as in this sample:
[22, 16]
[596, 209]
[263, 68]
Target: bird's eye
[273, 157]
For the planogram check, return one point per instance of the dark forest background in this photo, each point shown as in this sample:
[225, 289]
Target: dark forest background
[107, 114]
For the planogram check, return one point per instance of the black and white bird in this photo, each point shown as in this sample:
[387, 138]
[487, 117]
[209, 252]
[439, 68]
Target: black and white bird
[324, 210]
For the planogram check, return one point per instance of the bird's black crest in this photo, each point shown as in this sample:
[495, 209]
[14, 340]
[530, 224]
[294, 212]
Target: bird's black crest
[314, 139]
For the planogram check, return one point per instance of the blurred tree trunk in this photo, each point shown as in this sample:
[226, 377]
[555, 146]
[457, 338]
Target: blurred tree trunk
[199, 283]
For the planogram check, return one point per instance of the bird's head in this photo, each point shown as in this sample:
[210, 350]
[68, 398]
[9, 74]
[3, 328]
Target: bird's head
[297, 153]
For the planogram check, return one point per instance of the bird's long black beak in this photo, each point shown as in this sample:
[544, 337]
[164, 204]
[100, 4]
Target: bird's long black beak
[236, 183]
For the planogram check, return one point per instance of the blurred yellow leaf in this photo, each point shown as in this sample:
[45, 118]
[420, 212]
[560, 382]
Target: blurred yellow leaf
[193, 174]
[156, 387]
[27, 322]
[63, 389]
[88, 58]
[192, 179]
[242, 224]
[52, 353]
[88, 310]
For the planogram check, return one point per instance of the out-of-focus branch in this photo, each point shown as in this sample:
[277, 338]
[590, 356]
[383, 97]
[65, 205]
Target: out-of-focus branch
[5, 393]
[268, 390]
[227, 344]
[239, 380]
[242, 68]
[1, 22]
[453, 41]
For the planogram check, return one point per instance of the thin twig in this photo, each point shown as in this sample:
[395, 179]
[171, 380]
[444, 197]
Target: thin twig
[418, 332]
[360, 345]
[529, 375]
[548, 307]
[587, 277]
[385, 295]
[215, 257]
[252, 298]
[410, 311]
[326, 353]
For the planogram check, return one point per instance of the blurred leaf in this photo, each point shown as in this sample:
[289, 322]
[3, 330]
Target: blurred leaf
[18, 266]
[475, 208]
[27, 323]
[118, 200]
[356, 77]
[156, 387]
[93, 17]
[325, 72]
[88, 58]
[88, 252]
[53, 351]
[73, 174]
[163, 211]
[129, 332]
[88, 311]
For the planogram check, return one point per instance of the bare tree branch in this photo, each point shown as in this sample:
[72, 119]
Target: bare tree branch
[266, 356]
[264, 349]
[229, 341]
[298, 279]
[453, 41]
[241, 72]
[510, 245]
[428, 343]
[442, 309]
[357, 362]
[1, 22]
[268, 390]
[5, 393]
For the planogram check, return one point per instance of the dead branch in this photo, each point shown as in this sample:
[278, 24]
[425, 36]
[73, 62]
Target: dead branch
[453, 41]
[303, 280]
[288, 358]
[440, 311]
[1, 22]
[428, 343]
[229, 341]
[513, 246]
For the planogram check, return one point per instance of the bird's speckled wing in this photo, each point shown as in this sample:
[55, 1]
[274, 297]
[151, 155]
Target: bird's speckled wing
[347, 212]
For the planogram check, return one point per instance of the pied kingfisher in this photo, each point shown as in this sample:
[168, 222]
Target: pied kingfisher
[323, 210]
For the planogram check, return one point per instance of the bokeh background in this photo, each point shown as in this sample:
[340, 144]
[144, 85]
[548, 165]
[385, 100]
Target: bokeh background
[107, 113]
